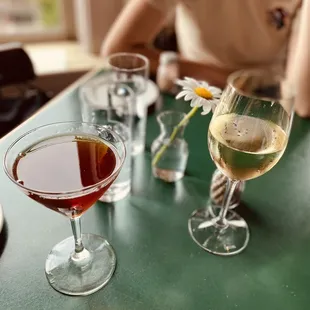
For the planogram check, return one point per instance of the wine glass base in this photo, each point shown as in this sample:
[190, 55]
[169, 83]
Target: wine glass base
[80, 277]
[216, 239]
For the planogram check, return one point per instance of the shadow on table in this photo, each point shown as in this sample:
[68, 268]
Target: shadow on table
[3, 237]
[249, 214]
[105, 214]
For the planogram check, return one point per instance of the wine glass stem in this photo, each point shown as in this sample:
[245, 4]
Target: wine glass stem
[230, 188]
[77, 234]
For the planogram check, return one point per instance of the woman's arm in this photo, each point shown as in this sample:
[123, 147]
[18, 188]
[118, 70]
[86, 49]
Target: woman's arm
[134, 31]
[299, 60]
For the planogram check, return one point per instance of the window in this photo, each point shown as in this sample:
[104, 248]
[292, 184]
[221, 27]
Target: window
[33, 20]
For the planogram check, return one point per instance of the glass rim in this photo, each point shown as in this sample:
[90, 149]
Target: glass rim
[76, 192]
[170, 112]
[140, 56]
[113, 122]
[257, 72]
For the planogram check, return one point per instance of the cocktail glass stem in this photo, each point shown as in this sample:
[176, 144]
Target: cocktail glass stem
[230, 188]
[80, 254]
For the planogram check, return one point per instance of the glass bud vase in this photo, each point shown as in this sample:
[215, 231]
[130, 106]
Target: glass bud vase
[169, 149]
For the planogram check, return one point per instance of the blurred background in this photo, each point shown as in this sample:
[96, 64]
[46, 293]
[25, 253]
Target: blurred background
[29, 17]
[58, 35]
[63, 37]
[46, 45]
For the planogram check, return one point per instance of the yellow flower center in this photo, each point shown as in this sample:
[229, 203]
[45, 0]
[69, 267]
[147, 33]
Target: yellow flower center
[204, 93]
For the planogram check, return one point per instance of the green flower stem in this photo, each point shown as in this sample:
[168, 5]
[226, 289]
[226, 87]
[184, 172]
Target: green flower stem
[175, 131]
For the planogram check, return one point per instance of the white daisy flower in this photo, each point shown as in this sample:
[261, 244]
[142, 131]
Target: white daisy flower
[200, 93]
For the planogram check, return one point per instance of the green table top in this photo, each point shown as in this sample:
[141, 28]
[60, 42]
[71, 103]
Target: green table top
[159, 266]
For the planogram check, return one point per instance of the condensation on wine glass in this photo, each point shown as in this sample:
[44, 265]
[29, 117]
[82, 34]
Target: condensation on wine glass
[239, 130]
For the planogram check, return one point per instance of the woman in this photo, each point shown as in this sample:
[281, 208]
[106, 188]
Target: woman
[216, 37]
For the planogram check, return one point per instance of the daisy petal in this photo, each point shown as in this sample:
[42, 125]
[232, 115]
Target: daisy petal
[217, 97]
[181, 83]
[205, 85]
[195, 103]
[188, 88]
[181, 94]
[189, 96]
[189, 79]
[202, 102]
[191, 82]
[207, 104]
[206, 109]
[215, 91]
[213, 101]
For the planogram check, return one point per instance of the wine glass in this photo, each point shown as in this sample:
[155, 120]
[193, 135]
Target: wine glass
[247, 136]
[67, 167]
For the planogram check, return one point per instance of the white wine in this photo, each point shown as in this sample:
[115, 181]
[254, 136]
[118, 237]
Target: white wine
[245, 147]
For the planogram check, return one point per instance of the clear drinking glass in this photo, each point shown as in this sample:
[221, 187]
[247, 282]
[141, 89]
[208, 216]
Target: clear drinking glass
[104, 100]
[121, 187]
[133, 70]
[67, 167]
[111, 104]
[247, 136]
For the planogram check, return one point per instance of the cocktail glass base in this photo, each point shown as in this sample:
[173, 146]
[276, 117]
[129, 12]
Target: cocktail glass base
[224, 240]
[84, 273]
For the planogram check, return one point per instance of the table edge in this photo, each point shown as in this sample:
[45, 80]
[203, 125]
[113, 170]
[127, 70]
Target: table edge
[68, 89]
